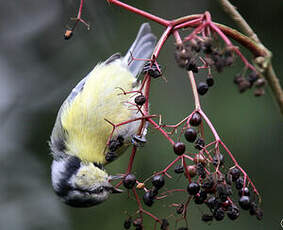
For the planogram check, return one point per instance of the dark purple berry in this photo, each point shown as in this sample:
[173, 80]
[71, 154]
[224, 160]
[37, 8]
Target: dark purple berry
[158, 181]
[193, 188]
[179, 169]
[259, 214]
[233, 212]
[140, 100]
[210, 81]
[179, 148]
[211, 202]
[129, 181]
[239, 183]
[195, 119]
[200, 197]
[219, 214]
[147, 199]
[235, 173]
[208, 183]
[190, 134]
[201, 170]
[244, 202]
[244, 192]
[252, 77]
[128, 223]
[202, 88]
[206, 218]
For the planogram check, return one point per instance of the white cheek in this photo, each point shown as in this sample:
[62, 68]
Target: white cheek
[57, 170]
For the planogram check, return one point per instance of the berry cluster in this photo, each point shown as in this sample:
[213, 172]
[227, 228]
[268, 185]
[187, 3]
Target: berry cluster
[252, 79]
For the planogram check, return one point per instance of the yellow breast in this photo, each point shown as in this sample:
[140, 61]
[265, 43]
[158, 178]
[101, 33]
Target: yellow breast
[83, 119]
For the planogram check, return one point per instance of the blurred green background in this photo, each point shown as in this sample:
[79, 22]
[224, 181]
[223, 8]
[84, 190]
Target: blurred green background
[39, 68]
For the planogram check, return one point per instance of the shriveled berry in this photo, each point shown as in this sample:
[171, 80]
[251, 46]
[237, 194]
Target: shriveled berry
[244, 192]
[199, 144]
[200, 158]
[191, 66]
[210, 81]
[235, 173]
[140, 100]
[238, 79]
[201, 170]
[192, 170]
[137, 222]
[110, 156]
[147, 199]
[179, 148]
[233, 212]
[195, 119]
[218, 159]
[158, 181]
[239, 183]
[128, 223]
[193, 188]
[190, 134]
[244, 202]
[129, 181]
[259, 92]
[219, 214]
[202, 88]
[206, 218]
[253, 208]
[164, 224]
[180, 209]
[259, 214]
[179, 169]
[252, 77]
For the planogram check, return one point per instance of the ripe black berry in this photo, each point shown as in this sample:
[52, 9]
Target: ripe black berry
[190, 134]
[235, 173]
[147, 199]
[193, 188]
[233, 212]
[252, 77]
[158, 181]
[195, 119]
[202, 88]
[140, 100]
[219, 214]
[244, 192]
[200, 197]
[179, 169]
[208, 184]
[210, 81]
[129, 181]
[201, 170]
[253, 208]
[244, 202]
[239, 183]
[211, 202]
[206, 217]
[128, 223]
[179, 148]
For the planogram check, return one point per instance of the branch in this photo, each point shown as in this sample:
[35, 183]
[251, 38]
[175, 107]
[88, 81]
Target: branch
[264, 61]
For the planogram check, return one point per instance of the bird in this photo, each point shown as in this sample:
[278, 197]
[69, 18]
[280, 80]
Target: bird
[79, 141]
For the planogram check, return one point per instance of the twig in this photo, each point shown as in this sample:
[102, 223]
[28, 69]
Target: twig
[264, 62]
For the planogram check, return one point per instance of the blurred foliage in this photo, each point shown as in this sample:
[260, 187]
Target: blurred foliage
[39, 69]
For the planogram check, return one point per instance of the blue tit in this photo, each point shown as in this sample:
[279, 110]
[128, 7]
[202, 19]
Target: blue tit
[79, 140]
